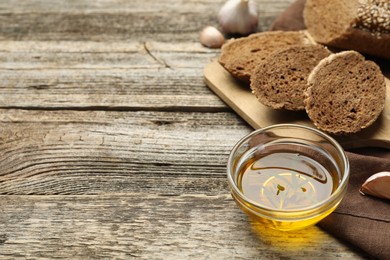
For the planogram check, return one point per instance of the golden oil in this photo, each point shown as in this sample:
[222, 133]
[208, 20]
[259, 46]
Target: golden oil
[286, 181]
[283, 182]
[286, 176]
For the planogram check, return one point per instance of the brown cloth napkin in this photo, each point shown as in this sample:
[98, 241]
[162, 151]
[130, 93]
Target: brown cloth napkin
[362, 221]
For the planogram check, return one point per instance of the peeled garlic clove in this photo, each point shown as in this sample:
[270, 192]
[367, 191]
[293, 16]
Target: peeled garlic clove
[211, 37]
[239, 16]
[377, 185]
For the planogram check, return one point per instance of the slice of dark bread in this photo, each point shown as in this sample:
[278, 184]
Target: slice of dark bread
[345, 93]
[281, 79]
[358, 25]
[239, 56]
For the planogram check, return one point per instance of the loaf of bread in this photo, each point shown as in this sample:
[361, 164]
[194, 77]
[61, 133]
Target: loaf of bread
[345, 93]
[281, 79]
[240, 56]
[361, 25]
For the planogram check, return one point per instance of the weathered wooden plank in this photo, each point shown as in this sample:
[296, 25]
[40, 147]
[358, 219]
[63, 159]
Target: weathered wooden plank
[16, 55]
[136, 6]
[125, 75]
[27, 55]
[107, 88]
[114, 6]
[116, 20]
[96, 152]
[149, 226]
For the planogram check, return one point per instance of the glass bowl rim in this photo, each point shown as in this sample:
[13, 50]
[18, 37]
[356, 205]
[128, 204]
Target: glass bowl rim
[329, 201]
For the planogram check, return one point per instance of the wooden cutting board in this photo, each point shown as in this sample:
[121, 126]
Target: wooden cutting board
[239, 97]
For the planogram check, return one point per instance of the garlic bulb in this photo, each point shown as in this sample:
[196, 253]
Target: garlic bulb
[377, 185]
[211, 37]
[238, 16]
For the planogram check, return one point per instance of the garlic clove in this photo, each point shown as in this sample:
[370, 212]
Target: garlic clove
[239, 16]
[211, 37]
[377, 185]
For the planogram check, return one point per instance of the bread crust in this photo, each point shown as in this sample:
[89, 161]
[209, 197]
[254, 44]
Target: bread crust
[345, 93]
[350, 24]
[240, 56]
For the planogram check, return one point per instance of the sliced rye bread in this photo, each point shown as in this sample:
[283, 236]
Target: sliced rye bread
[345, 93]
[240, 56]
[281, 79]
[358, 25]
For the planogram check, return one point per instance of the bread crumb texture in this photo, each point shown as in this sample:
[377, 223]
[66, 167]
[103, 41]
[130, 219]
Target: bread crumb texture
[346, 93]
[280, 81]
[240, 56]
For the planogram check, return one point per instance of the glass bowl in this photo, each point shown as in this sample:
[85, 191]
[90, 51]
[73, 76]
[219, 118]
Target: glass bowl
[288, 176]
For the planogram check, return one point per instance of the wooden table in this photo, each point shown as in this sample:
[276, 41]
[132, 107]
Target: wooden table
[111, 144]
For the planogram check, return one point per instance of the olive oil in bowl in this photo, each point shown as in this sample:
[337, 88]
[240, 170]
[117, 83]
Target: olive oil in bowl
[288, 176]
[286, 181]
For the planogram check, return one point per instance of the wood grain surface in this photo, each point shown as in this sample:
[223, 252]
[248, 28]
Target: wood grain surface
[111, 144]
